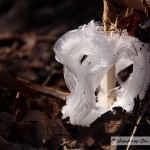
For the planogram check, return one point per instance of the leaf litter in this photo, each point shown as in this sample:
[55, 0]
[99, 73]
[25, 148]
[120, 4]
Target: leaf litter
[30, 111]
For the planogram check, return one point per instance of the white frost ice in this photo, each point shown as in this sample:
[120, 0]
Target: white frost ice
[87, 53]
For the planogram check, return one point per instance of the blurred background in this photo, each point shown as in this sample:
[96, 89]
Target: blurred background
[29, 29]
[43, 16]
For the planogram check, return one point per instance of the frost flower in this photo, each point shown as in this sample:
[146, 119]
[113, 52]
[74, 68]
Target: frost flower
[87, 54]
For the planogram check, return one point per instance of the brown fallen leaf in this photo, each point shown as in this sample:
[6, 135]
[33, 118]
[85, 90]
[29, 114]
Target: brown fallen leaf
[98, 135]
[60, 135]
[46, 104]
[37, 129]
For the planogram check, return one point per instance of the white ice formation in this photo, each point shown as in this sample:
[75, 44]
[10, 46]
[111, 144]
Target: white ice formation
[87, 53]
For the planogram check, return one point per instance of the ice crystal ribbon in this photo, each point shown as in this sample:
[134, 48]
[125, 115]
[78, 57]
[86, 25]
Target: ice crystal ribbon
[87, 53]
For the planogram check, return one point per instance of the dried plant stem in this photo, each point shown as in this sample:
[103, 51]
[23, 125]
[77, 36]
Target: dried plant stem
[109, 18]
[137, 123]
[110, 83]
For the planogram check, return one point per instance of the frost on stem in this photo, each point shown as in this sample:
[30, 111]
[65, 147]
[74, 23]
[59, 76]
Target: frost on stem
[87, 53]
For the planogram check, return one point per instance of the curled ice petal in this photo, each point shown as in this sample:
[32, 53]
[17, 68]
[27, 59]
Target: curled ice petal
[87, 54]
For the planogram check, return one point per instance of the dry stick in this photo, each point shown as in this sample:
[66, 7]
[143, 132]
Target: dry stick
[46, 90]
[109, 17]
[17, 84]
[137, 123]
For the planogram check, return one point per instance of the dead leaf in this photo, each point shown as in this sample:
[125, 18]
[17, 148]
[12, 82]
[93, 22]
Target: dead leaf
[98, 135]
[43, 129]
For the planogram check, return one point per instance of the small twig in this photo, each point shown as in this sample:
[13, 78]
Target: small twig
[47, 80]
[46, 90]
[16, 84]
[137, 123]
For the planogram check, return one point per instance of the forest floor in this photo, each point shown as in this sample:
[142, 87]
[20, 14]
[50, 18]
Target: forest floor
[31, 81]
